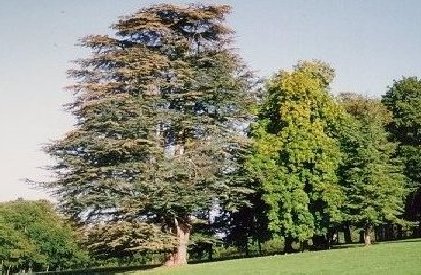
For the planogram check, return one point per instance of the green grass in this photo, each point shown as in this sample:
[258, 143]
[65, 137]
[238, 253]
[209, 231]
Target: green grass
[403, 257]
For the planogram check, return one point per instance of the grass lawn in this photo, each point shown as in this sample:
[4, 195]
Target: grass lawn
[403, 257]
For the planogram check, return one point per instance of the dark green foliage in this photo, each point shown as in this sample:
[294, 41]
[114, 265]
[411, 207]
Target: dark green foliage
[403, 99]
[159, 106]
[247, 224]
[204, 238]
[372, 177]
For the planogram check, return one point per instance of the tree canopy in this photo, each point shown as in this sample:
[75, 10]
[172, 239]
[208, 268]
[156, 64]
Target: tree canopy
[33, 236]
[295, 155]
[159, 106]
[403, 99]
[373, 179]
[175, 144]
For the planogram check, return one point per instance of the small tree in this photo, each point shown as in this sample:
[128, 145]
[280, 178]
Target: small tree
[158, 108]
[296, 155]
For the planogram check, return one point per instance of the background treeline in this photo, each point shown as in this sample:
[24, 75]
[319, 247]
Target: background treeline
[34, 237]
[179, 152]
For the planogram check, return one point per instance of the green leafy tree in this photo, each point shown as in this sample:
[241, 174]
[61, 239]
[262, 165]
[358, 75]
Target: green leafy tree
[372, 177]
[16, 250]
[159, 106]
[34, 236]
[403, 99]
[295, 154]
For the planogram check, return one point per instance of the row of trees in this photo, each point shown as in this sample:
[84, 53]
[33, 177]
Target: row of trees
[323, 163]
[176, 141]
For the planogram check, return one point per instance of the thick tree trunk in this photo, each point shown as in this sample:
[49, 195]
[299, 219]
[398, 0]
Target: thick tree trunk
[368, 231]
[179, 255]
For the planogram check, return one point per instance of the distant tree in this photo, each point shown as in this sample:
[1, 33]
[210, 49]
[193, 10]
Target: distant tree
[16, 250]
[159, 109]
[372, 177]
[403, 99]
[359, 106]
[34, 236]
[296, 155]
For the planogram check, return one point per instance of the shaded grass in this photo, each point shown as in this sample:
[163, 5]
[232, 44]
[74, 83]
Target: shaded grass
[400, 257]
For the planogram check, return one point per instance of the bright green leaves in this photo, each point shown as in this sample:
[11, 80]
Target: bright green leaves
[33, 235]
[295, 155]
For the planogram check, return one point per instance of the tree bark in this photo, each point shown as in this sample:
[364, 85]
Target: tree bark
[210, 252]
[320, 242]
[347, 234]
[399, 232]
[246, 247]
[288, 245]
[417, 232]
[259, 245]
[179, 254]
[303, 246]
[368, 230]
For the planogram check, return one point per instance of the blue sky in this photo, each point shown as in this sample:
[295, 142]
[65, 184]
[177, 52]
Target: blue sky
[369, 43]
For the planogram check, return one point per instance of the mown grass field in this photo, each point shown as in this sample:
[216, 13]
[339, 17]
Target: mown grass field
[403, 257]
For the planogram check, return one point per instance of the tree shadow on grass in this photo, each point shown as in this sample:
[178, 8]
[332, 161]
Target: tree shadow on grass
[353, 245]
[402, 241]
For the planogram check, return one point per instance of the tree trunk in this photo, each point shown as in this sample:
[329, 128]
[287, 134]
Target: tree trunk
[320, 242]
[303, 245]
[389, 232]
[288, 245]
[399, 232]
[259, 245]
[380, 235]
[179, 255]
[210, 252]
[347, 234]
[418, 230]
[246, 247]
[368, 230]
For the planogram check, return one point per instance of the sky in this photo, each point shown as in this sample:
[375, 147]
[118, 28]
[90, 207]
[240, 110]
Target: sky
[369, 43]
